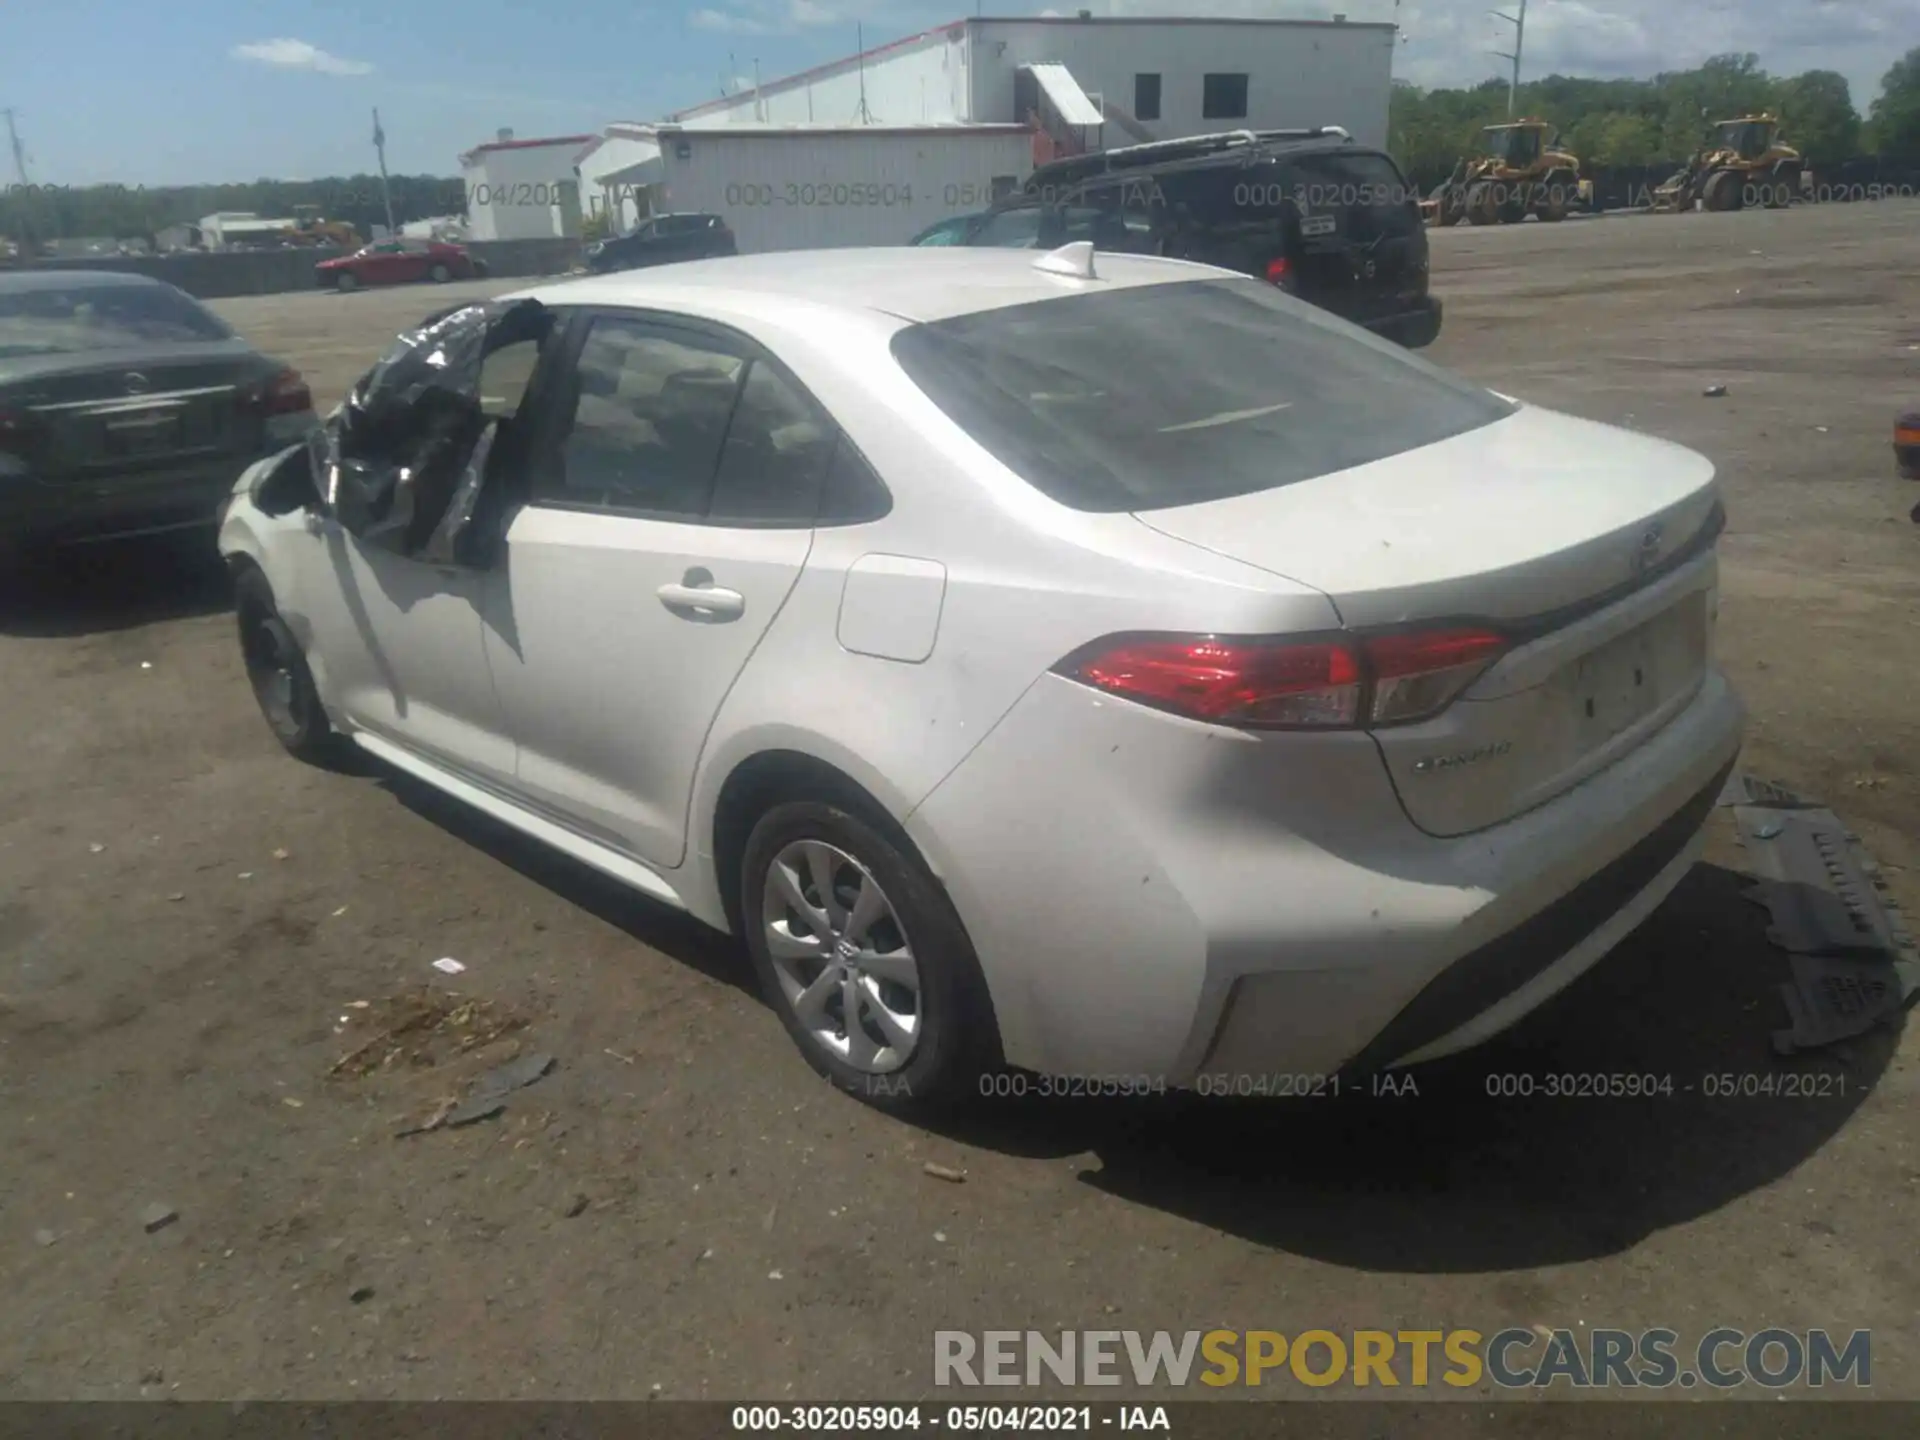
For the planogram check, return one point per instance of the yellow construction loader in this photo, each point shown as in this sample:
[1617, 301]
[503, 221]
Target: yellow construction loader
[307, 228]
[1745, 164]
[1521, 170]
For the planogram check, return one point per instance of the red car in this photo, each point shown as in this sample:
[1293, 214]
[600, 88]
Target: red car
[399, 262]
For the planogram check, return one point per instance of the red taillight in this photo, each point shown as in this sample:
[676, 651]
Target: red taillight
[1418, 673]
[1231, 682]
[285, 394]
[1279, 270]
[1309, 683]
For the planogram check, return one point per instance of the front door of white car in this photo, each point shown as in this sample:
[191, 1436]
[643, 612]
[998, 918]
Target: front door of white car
[400, 643]
[670, 511]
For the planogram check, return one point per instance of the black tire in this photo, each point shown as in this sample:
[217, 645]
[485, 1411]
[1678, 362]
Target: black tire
[1722, 191]
[1483, 205]
[957, 1041]
[282, 684]
[439, 274]
[346, 280]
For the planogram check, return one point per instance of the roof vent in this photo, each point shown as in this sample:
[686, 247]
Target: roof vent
[1075, 260]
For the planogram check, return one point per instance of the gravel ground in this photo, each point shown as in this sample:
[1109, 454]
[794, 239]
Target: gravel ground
[190, 923]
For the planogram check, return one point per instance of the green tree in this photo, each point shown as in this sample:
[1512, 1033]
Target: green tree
[1896, 114]
[1817, 117]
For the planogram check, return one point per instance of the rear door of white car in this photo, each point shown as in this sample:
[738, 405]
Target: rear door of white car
[669, 512]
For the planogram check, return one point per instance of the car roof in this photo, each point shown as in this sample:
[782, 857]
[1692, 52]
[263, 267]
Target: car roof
[52, 278]
[910, 283]
[1081, 169]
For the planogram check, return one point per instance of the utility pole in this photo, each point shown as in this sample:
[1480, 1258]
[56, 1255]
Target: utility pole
[1519, 23]
[380, 148]
[19, 151]
[26, 209]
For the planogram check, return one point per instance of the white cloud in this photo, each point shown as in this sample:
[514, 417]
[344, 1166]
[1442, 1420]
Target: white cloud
[727, 23]
[298, 55]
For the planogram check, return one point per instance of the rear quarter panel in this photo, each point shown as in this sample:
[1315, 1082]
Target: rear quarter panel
[1026, 583]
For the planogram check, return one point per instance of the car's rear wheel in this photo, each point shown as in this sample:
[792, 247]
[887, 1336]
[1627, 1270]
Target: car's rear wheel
[439, 274]
[346, 280]
[277, 670]
[860, 953]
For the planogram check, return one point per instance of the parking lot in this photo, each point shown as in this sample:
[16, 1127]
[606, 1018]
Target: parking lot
[189, 922]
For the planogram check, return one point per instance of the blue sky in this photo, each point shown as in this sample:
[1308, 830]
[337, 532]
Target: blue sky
[208, 90]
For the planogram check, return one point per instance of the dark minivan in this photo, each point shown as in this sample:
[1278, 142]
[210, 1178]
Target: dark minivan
[1330, 221]
[661, 240]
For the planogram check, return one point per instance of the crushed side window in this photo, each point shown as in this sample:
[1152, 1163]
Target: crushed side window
[402, 464]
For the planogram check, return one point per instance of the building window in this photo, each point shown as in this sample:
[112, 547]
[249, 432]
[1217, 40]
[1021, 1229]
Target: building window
[1223, 97]
[1146, 97]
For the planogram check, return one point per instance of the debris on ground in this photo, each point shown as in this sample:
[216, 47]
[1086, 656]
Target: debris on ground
[944, 1172]
[421, 1029]
[96, 847]
[447, 965]
[488, 1096]
[158, 1216]
[1715, 392]
[44, 1238]
[361, 1294]
[176, 896]
[575, 1207]
[153, 1376]
[279, 854]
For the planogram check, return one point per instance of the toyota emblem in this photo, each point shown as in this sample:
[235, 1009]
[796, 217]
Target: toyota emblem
[135, 382]
[1371, 268]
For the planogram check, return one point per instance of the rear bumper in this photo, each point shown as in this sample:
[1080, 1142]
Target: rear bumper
[1412, 328]
[40, 514]
[1214, 903]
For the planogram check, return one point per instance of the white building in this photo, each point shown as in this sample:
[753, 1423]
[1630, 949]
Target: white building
[523, 189]
[232, 229]
[1146, 78]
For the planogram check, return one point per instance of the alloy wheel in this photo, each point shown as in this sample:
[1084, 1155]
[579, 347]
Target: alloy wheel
[842, 956]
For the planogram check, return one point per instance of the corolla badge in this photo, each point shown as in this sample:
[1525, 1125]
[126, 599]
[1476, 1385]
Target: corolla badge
[136, 383]
[1433, 764]
[1648, 551]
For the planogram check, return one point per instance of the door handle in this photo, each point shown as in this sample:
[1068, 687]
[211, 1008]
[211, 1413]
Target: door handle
[707, 602]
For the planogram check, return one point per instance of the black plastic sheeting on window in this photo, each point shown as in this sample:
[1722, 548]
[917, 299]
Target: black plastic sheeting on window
[403, 463]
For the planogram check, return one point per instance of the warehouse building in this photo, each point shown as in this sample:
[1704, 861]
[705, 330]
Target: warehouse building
[523, 189]
[1136, 78]
[874, 148]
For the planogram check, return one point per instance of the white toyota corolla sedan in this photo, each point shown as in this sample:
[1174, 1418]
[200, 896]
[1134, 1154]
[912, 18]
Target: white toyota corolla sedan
[1100, 666]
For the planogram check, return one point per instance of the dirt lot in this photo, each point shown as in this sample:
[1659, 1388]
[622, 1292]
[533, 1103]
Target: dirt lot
[189, 920]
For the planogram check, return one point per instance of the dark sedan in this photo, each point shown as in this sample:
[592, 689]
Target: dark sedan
[126, 407]
[399, 262]
[661, 240]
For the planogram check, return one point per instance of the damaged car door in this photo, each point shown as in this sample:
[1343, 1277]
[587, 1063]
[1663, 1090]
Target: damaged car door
[403, 471]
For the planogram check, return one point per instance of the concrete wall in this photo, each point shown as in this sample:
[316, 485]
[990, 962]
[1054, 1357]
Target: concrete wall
[271, 272]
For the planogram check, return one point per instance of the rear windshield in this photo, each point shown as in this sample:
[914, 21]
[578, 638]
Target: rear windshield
[101, 317]
[1174, 394]
[1368, 188]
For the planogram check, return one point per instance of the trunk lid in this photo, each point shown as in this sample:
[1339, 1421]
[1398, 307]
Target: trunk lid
[1587, 544]
[124, 413]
